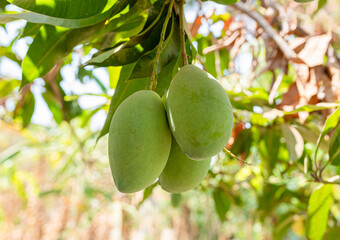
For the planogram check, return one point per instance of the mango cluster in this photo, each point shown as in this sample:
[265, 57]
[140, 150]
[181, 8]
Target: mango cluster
[174, 141]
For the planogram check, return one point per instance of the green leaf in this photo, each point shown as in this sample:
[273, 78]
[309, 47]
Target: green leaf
[176, 199]
[25, 108]
[81, 17]
[321, 3]
[294, 141]
[127, 87]
[224, 2]
[134, 49]
[123, 90]
[269, 147]
[54, 106]
[222, 203]
[7, 87]
[330, 123]
[303, 1]
[332, 233]
[144, 66]
[147, 192]
[334, 148]
[318, 208]
[51, 45]
[73, 9]
[31, 30]
[243, 143]
[312, 108]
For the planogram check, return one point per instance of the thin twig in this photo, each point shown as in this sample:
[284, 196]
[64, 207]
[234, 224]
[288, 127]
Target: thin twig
[153, 80]
[235, 157]
[182, 32]
[281, 43]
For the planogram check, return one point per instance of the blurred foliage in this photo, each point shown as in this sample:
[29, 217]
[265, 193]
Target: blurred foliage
[55, 181]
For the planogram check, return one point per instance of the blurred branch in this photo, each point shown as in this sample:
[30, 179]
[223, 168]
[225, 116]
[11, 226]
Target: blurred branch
[50, 79]
[332, 180]
[235, 157]
[281, 43]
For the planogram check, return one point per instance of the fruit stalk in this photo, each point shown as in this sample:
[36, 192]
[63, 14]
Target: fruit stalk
[235, 157]
[182, 32]
[153, 80]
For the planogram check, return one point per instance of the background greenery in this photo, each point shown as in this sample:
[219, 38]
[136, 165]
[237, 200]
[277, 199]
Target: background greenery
[277, 60]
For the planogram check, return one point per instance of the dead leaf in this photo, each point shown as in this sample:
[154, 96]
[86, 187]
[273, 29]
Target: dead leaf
[290, 99]
[315, 50]
[196, 25]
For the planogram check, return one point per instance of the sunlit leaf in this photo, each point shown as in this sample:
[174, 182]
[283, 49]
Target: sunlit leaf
[334, 147]
[224, 2]
[51, 45]
[73, 9]
[318, 208]
[330, 123]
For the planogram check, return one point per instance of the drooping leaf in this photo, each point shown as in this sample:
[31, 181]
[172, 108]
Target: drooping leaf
[51, 45]
[303, 1]
[134, 49]
[318, 207]
[321, 3]
[176, 199]
[73, 9]
[7, 87]
[147, 192]
[123, 90]
[330, 123]
[224, 2]
[126, 87]
[312, 108]
[243, 143]
[145, 64]
[75, 19]
[222, 203]
[25, 108]
[269, 148]
[334, 147]
[294, 141]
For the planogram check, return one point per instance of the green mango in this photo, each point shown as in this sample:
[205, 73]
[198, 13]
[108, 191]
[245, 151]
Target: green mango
[182, 173]
[199, 113]
[139, 141]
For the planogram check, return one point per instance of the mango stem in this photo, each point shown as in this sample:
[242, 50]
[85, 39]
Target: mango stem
[182, 32]
[153, 80]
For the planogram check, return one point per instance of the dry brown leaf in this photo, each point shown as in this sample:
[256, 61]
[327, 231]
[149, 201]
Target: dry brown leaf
[290, 99]
[222, 43]
[196, 25]
[315, 49]
[297, 44]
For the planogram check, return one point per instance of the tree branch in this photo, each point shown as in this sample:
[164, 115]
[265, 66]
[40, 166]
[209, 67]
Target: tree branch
[235, 157]
[281, 43]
